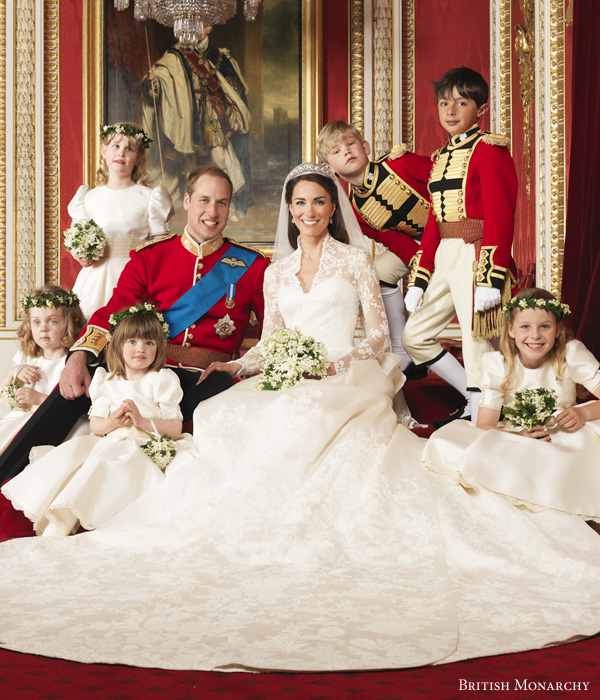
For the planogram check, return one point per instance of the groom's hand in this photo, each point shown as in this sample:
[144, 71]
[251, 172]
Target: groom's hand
[75, 378]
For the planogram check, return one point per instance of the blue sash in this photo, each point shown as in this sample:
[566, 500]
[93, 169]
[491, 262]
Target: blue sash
[207, 291]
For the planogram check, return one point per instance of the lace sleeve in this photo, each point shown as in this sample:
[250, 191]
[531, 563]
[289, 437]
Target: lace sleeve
[374, 319]
[251, 362]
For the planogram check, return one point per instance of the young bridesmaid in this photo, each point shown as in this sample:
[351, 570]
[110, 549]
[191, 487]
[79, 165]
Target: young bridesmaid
[554, 465]
[52, 323]
[127, 211]
[89, 479]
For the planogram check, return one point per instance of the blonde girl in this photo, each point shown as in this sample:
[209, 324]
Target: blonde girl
[128, 212]
[557, 467]
[52, 322]
[136, 424]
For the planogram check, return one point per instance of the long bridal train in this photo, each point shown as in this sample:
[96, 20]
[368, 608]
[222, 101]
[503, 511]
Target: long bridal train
[308, 537]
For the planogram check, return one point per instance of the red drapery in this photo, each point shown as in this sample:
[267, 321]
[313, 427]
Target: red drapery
[581, 276]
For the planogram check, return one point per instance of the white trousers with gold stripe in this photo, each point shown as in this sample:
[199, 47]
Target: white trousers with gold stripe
[449, 294]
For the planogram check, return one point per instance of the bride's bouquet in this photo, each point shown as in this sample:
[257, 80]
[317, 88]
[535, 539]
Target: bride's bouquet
[161, 450]
[85, 239]
[289, 357]
[530, 407]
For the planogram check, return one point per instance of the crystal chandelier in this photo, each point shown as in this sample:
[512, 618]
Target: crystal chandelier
[189, 17]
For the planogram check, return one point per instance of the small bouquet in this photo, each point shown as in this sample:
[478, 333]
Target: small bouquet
[7, 395]
[288, 357]
[161, 450]
[85, 239]
[530, 407]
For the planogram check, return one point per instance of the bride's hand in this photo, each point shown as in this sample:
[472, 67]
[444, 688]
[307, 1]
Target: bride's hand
[538, 432]
[231, 368]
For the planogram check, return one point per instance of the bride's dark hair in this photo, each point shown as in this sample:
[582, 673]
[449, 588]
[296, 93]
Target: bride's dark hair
[336, 227]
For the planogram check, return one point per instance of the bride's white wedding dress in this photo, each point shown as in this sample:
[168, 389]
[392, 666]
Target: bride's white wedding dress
[308, 536]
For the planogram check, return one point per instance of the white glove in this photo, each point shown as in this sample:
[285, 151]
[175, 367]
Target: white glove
[486, 298]
[413, 299]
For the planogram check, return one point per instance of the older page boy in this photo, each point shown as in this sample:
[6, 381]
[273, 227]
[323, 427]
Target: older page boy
[391, 202]
[464, 265]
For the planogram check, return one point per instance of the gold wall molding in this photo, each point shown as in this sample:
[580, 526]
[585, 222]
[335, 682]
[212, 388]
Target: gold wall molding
[3, 126]
[312, 69]
[25, 156]
[51, 144]
[500, 67]
[525, 50]
[550, 142]
[357, 66]
[383, 77]
[408, 73]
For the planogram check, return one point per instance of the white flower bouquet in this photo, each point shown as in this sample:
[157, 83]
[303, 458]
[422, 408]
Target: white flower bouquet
[7, 395]
[530, 407]
[289, 357]
[85, 239]
[161, 450]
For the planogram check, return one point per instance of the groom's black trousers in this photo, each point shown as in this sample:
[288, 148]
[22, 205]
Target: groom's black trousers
[55, 417]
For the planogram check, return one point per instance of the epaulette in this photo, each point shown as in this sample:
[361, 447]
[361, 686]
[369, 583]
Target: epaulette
[154, 241]
[495, 139]
[243, 245]
[435, 154]
[399, 150]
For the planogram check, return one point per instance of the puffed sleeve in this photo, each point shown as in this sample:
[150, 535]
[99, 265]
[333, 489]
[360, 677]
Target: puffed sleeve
[583, 366]
[76, 206]
[99, 395]
[492, 375]
[168, 394]
[377, 339]
[160, 211]
[252, 361]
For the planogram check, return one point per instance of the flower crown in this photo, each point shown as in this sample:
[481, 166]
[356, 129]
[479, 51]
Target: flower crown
[49, 301]
[145, 308]
[310, 168]
[530, 302]
[126, 130]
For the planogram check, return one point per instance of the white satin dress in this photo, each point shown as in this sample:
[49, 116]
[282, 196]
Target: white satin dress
[308, 535]
[129, 215]
[563, 474]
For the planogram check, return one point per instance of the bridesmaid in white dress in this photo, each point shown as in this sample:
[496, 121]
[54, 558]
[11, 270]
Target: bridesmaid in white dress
[559, 467]
[128, 212]
[53, 322]
[88, 479]
[307, 535]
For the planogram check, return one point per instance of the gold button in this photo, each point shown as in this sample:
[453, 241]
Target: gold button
[198, 275]
[193, 325]
[190, 336]
[460, 192]
[200, 266]
[460, 208]
[187, 345]
[459, 201]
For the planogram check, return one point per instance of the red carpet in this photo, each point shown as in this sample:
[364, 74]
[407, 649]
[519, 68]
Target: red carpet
[517, 677]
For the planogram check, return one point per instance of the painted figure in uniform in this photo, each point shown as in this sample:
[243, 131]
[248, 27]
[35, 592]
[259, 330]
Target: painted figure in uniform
[463, 267]
[200, 95]
[391, 202]
[207, 286]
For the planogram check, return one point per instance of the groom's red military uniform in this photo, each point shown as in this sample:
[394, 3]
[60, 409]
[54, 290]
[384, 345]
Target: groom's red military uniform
[162, 272]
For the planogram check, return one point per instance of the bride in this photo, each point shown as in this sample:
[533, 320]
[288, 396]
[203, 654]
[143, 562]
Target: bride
[307, 535]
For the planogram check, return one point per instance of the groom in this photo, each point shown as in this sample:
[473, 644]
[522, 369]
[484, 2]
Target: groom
[206, 286]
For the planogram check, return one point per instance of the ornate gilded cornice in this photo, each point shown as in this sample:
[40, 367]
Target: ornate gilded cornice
[51, 144]
[408, 73]
[3, 165]
[357, 65]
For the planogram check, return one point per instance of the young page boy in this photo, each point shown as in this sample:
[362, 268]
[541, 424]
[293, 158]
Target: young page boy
[391, 202]
[463, 266]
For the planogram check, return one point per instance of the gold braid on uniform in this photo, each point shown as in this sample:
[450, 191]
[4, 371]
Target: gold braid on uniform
[419, 276]
[488, 324]
[94, 340]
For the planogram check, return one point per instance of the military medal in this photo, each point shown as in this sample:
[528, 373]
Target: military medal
[224, 327]
[230, 297]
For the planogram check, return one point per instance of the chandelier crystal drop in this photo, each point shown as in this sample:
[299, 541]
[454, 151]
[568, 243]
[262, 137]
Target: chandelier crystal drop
[189, 17]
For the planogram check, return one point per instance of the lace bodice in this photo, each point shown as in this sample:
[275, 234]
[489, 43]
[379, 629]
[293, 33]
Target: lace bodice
[345, 284]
